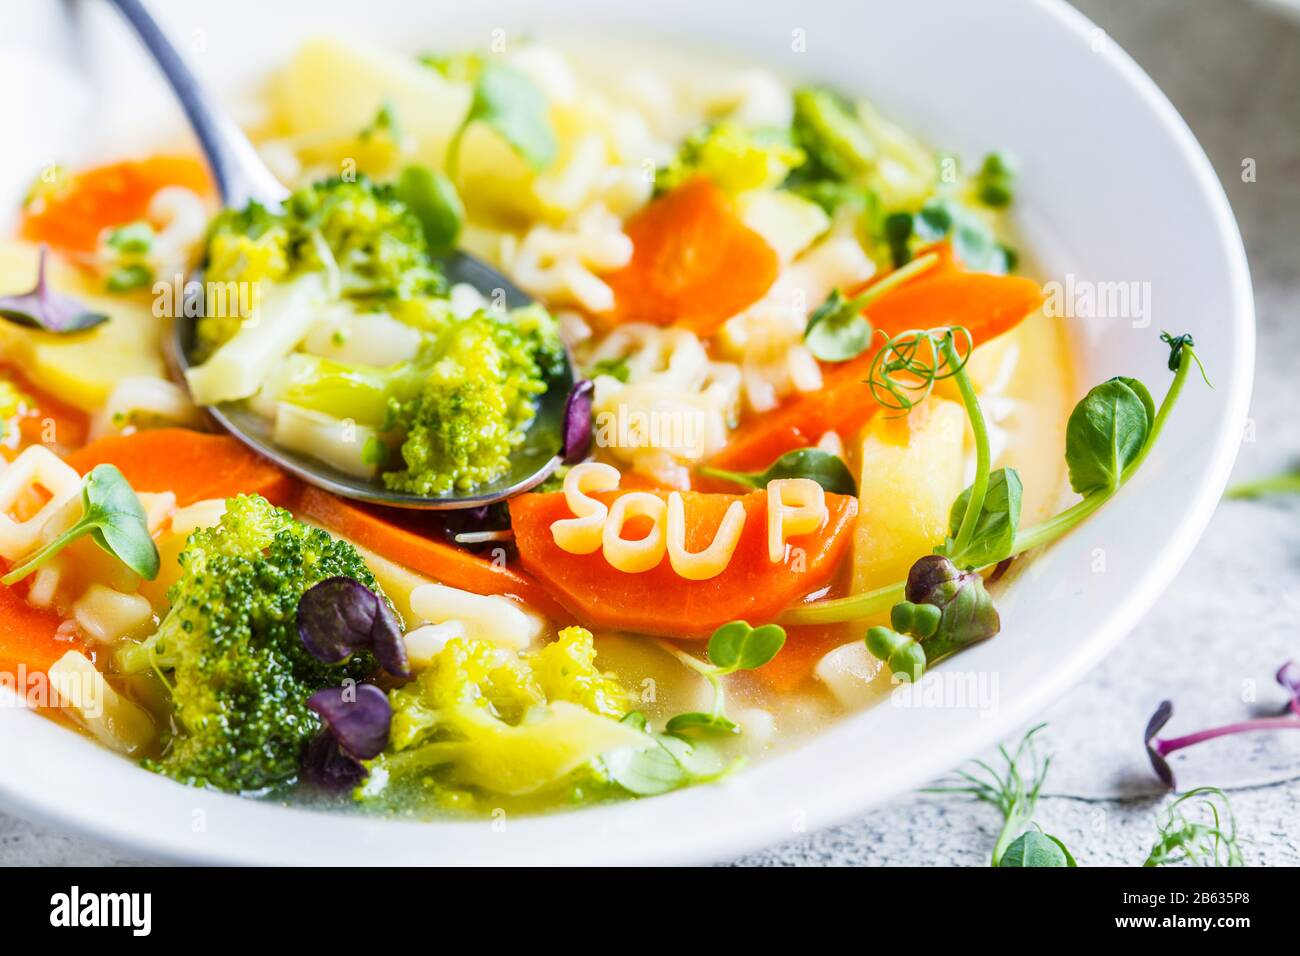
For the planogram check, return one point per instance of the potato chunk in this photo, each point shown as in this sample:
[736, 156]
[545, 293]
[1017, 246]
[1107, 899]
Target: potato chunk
[911, 472]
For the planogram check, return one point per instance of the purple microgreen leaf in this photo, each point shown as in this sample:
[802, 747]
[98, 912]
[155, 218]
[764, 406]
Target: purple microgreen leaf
[968, 612]
[1288, 675]
[335, 618]
[387, 644]
[1154, 726]
[577, 422]
[340, 616]
[326, 765]
[43, 308]
[358, 715]
[1160, 748]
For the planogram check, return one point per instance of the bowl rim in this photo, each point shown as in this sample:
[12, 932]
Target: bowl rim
[743, 831]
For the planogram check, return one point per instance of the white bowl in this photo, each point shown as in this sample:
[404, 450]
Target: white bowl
[1115, 188]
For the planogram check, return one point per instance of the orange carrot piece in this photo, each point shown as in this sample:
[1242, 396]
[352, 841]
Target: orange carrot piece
[804, 646]
[659, 601]
[946, 294]
[29, 636]
[987, 305]
[843, 405]
[193, 465]
[694, 263]
[72, 215]
[441, 561]
[46, 421]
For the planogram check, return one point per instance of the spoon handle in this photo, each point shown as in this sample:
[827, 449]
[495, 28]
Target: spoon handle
[239, 172]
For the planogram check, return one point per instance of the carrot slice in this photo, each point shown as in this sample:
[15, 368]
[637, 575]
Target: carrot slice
[445, 563]
[46, 421]
[843, 405]
[193, 465]
[946, 294]
[804, 646]
[29, 637]
[658, 601]
[694, 262]
[72, 215]
[987, 305]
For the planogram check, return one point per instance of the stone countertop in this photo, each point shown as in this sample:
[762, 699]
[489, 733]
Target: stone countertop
[1216, 638]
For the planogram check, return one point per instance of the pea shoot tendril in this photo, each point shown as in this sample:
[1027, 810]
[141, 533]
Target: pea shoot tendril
[907, 366]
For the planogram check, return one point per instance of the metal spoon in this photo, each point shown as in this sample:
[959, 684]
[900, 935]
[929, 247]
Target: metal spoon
[241, 177]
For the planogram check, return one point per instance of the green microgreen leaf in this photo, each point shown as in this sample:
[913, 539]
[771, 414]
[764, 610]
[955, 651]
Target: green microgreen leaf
[1106, 433]
[995, 527]
[1036, 848]
[737, 646]
[665, 763]
[433, 199]
[826, 469]
[128, 277]
[113, 517]
[837, 331]
[508, 101]
[901, 653]
[732, 647]
[700, 722]
[134, 238]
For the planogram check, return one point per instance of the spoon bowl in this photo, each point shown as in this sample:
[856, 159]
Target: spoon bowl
[241, 177]
[531, 463]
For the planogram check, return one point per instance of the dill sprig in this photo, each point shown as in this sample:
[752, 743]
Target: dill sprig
[1013, 790]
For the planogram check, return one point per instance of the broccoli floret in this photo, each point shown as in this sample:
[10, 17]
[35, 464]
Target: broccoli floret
[356, 231]
[248, 244]
[566, 669]
[476, 401]
[479, 719]
[376, 242]
[230, 652]
[829, 131]
[244, 245]
[735, 158]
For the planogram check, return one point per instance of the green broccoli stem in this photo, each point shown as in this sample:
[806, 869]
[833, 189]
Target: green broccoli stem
[869, 603]
[979, 489]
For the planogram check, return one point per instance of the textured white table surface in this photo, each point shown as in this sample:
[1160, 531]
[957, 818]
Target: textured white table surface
[1233, 70]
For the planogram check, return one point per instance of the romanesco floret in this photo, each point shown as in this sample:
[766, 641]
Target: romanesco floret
[229, 648]
[476, 401]
[493, 721]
